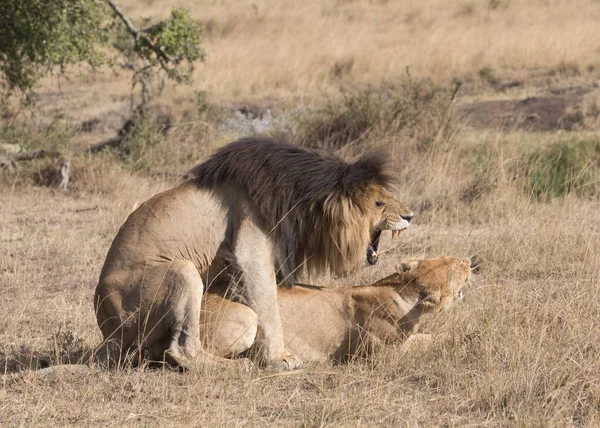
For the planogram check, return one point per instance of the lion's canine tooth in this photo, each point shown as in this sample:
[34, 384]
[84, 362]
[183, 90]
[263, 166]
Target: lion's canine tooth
[394, 232]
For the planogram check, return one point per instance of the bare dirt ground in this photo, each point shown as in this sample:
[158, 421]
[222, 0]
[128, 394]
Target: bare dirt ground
[560, 108]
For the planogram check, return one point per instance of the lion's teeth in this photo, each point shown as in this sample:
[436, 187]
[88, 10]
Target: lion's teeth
[394, 233]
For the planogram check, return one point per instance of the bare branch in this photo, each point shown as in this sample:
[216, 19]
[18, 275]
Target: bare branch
[150, 51]
[150, 28]
[126, 20]
[163, 58]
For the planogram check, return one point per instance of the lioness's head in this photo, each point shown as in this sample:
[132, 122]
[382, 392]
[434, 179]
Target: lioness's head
[432, 283]
[387, 214]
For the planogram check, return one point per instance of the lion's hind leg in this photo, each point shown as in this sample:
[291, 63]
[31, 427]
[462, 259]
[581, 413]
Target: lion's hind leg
[169, 329]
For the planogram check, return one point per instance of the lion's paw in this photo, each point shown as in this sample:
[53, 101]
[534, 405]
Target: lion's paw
[286, 362]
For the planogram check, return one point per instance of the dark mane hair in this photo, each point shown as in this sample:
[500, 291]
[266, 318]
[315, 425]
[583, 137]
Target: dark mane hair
[316, 204]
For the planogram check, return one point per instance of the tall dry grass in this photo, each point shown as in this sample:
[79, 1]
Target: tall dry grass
[299, 49]
[521, 350]
[296, 52]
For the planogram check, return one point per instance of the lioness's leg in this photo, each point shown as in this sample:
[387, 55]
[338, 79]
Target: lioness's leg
[226, 328]
[254, 257]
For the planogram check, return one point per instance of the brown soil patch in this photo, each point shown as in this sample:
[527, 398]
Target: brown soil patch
[560, 109]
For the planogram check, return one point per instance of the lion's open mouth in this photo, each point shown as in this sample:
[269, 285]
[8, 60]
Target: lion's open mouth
[372, 255]
[373, 250]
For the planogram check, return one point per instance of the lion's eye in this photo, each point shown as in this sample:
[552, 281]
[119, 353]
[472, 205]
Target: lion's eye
[379, 204]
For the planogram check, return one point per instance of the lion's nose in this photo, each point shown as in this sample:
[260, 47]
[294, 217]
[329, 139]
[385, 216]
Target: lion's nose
[408, 218]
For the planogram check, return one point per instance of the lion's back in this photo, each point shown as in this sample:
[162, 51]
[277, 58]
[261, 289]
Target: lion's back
[182, 223]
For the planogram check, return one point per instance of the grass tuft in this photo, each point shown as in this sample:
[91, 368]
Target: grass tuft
[568, 166]
[418, 109]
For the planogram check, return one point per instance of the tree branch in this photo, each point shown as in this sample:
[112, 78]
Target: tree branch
[162, 57]
[126, 20]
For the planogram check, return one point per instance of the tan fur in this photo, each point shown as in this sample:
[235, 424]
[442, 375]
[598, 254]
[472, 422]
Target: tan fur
[334, 324]
[148, 297]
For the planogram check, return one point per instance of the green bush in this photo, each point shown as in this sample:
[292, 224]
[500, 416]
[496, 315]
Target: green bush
[38, 35]
[143, 136]
[32, 135]
[564, 167]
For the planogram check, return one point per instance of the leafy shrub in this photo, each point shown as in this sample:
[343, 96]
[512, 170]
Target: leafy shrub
[43, 36]
[564, 167]
[38, 35]
[142, 137]
[30, 135]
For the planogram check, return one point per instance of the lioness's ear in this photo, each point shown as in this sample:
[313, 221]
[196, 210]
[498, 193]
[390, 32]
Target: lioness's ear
[402, 267]
[407, 265]
[475, 263]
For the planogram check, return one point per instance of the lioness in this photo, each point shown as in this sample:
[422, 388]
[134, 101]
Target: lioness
[288, 209]
[334, 324]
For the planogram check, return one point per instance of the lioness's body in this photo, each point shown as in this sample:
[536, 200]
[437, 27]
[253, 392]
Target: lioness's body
[328, 324]
[333, 324]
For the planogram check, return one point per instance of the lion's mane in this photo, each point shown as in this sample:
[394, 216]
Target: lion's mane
[316, 206]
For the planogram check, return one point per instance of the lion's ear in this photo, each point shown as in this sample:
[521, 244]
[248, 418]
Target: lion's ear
[407, 265]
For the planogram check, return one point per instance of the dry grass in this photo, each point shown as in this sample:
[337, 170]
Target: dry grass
[522, 350]
[309, 47]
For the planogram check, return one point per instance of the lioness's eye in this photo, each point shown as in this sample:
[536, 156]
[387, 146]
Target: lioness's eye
[379, 204]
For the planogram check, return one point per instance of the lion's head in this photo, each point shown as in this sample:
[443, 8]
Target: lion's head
[387, 214]
[321, 211]
[433, 283]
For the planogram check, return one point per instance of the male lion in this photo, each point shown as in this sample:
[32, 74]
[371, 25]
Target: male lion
[334, 324]
[288, 209]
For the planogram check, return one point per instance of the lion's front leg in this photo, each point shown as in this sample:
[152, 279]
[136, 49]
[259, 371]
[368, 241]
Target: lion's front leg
[254, 256]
